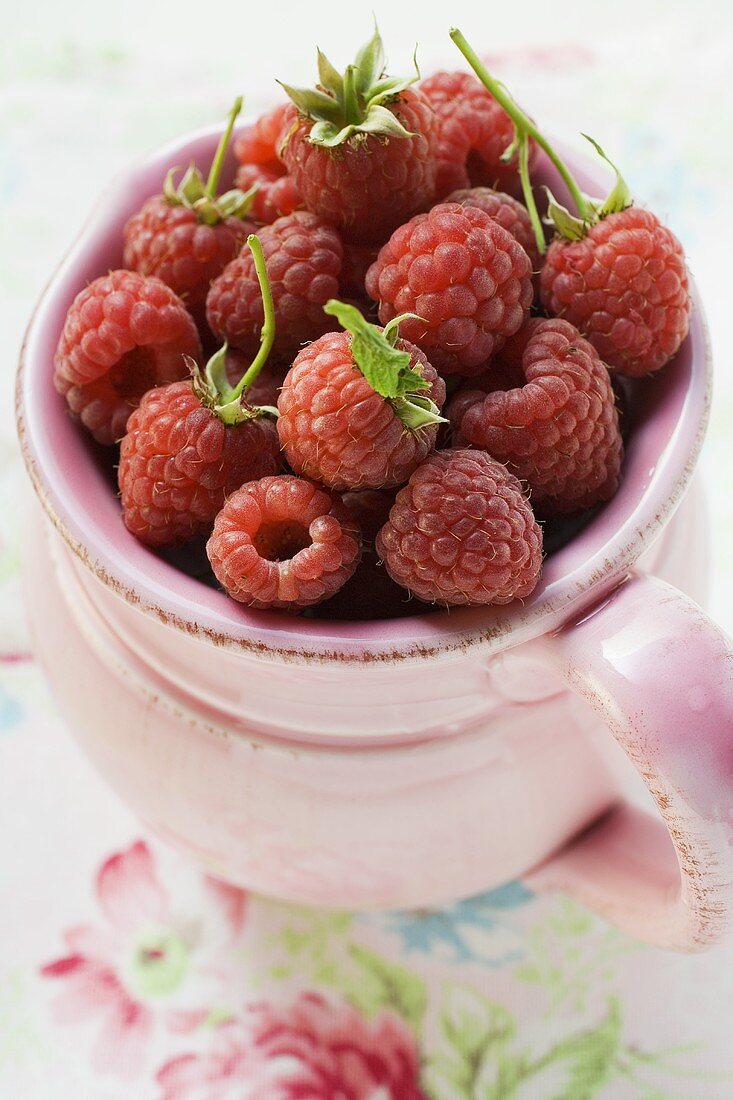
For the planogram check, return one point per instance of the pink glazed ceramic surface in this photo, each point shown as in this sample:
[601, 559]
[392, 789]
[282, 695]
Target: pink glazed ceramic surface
[406, 762]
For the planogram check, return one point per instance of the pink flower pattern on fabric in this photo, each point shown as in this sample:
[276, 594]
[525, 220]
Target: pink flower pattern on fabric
[128, 975]
[312, 1049]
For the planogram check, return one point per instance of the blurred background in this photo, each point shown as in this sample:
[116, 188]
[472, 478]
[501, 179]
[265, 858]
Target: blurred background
[86, 88]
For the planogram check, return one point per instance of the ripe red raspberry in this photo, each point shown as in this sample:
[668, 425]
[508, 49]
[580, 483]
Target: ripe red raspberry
[303, 256]
[191, 444]
[361, 148]
[504, 372]
[170, 242]
[283, 542]
[340, 424]
[473, 391]
[187, 235]
[123, 334]
[464, 275]
[625, 286]
[277, 193]
[179, 462]
[560, 431]
[474, 133]
[370, 184]
[507, 211]
[462, 532]
[258, 143]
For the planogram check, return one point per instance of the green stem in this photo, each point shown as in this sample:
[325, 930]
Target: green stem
[523, 123]
[352, 112]
[528, 193]
[212, 183]
[267, 335]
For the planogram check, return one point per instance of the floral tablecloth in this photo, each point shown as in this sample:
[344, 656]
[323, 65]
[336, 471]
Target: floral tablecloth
[124, 971]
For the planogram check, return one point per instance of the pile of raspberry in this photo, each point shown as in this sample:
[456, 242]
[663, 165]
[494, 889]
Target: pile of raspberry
[415, 378]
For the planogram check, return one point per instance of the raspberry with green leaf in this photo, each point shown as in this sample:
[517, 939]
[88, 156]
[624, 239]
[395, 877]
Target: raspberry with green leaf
[188, 234]
[613, 270]
[359, 409]
[191, 444]
[362, 146]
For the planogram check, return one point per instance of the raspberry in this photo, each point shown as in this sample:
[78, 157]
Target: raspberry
[462, 532]
[619, 275]
[507, 211]
[170, 242]
[560, 431]
[335, 427]
[191, 444]
[179, 462]
[258, 143]
[283, 542]
[464, 275]
[123, 334]
[368, 186]
[366, 161]
[277, 193]
[625, 286]
[474, 132]
[303, 256]
[256, 148]
[187, 235]
[504, 372]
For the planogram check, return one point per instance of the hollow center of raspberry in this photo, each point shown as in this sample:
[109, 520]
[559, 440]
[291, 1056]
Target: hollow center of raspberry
[477, 171]
[281, 541]
[134, 374]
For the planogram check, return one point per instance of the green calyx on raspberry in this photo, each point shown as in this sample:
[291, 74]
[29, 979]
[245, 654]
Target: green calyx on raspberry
[200, 195]
[386, 367]
[575, 228]
[589, 210]
[211, 385]
[355, 102]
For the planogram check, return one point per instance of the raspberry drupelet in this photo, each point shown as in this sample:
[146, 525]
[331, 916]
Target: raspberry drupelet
[467, 280]
[474, 134]
[361, 147]
[359, 409]
[188, 234]
[462, 532]
[303, 255]
[123, 334]
[614, 271]
[191, 444]
[559, 431]
[283, 542]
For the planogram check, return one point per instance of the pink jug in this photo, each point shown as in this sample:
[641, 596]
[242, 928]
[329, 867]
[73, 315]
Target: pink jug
[408, 762]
